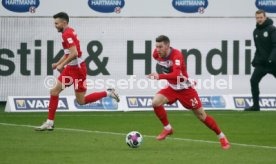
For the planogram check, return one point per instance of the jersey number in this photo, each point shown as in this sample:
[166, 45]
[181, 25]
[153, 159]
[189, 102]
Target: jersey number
[194, 102]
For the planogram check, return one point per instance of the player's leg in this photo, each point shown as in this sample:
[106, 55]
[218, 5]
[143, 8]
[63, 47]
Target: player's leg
[190, 100]
[163, 97]
[82, 99]
[211, 123]
[80, 88]
[157, 104]
[64, 80]
[96, 96]
[207, 120]
[256, 77]
[54, 97]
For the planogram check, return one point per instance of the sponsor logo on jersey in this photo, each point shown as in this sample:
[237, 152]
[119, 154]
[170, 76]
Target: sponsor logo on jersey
[145, 102]
[266, 5]
[106, 6]
[177, 62]
[21, 6]
[38, 103]
[70, 40]
[264, 102]
[213, 101]
[190, 6]
[105, 103]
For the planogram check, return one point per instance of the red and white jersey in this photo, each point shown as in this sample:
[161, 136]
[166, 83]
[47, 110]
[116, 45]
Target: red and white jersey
[70, 39]
[174, 70]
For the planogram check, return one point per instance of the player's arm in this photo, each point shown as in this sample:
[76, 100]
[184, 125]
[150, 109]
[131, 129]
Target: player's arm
[272, 56]
[173, 75]
[72, 55]
[170, 76]
[54, 65]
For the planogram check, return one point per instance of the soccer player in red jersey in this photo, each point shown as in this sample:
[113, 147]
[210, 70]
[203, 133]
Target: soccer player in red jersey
[73, 71]
[180, 88]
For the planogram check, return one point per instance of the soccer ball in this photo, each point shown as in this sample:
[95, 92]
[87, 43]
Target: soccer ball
[134, 139]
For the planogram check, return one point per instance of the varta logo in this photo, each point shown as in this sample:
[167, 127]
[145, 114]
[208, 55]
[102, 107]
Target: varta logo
[133, 102]
[240, 102]
[264, 102]
[144, 102]
[38, 103]
[20, 104]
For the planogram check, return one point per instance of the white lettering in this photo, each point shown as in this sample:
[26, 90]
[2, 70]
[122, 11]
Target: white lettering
[143, 102]
[39, 104]
[106, 3]
[21, 2]
[267, 3]
[249, 102]
[31, 103]
[190, 3]
[61, 104]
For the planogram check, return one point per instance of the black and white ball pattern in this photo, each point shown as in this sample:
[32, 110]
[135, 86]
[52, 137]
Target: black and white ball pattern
[134, 139]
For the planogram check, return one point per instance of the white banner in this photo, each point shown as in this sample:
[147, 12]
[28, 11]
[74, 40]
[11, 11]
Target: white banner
[127, 103]
[118, 52]
[134, 103]
[65, 104]
[137, 8]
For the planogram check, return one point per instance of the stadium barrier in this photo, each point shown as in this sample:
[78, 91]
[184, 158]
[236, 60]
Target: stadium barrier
[134, 103]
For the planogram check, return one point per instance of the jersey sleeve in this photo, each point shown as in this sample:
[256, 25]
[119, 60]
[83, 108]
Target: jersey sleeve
[68, 39]
[272, 56]
[176, 70]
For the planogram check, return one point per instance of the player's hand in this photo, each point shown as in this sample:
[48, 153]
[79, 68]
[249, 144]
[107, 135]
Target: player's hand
[60, 68]
[154, 76]
[54, 65]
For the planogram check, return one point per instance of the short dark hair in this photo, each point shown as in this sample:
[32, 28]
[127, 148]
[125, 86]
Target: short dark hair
[260, 12]
[62, 15]
[163, 38]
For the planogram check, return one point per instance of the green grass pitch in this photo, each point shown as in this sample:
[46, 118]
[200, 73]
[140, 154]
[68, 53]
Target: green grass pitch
[99, 137]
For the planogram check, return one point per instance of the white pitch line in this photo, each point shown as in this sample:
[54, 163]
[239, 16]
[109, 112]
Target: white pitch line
[123, 134]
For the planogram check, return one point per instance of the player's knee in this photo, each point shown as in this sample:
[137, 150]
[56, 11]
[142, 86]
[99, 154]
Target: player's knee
[54, 92]
[201, 118]
[80, 101]
[156, 103]
[200, 114]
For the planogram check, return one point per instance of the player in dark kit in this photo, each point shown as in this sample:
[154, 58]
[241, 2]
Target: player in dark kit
[73, 71]
[180, 88]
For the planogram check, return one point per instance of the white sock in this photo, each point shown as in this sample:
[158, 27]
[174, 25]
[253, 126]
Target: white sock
[168, 127]
[108, 93]
[51, 122]
[221, 135]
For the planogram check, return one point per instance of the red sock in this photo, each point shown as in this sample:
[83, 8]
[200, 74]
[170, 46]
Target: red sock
[52, 107]
[162, 115]
[95, 96]
[211, 123]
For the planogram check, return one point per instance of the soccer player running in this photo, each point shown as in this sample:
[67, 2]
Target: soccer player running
[73, 71]
[179, 88]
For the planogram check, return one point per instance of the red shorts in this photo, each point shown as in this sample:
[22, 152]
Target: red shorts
[74, 75]
[187, 97]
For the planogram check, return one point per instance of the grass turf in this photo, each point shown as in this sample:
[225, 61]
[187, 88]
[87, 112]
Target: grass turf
[20, 144]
